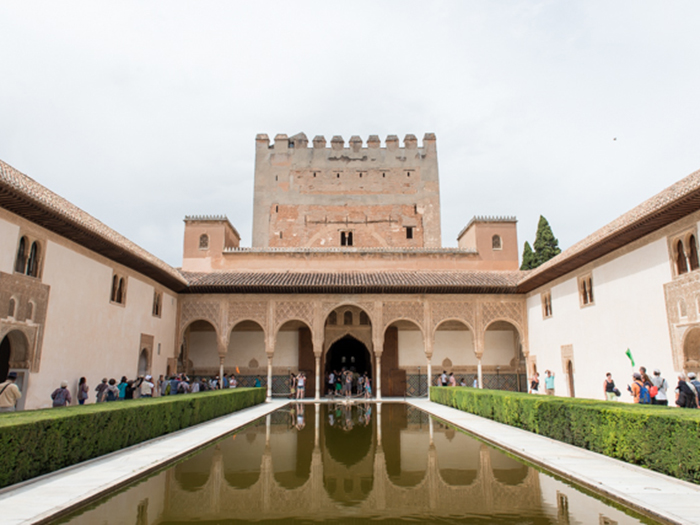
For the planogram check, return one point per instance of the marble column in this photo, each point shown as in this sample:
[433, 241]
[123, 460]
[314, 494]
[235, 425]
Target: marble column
[478, 372]
[317, 394]
[379, 377]
[269, 377]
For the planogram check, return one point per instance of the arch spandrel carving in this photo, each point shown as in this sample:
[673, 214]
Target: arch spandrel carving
[505, 311]
[412, 310]
[290, 310]
[205, 310]
[460, 310]
[247, 311]
[329, 306]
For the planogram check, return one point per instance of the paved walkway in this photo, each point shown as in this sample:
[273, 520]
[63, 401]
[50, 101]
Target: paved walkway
[36, 501]
[661, 497]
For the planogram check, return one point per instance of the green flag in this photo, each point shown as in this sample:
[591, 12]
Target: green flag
[629, 354]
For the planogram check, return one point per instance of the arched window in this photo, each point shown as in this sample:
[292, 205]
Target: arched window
[333, 318]
[30, 311]
[21, 262]
[693, 247]
[33, 264]
[347, 318]
[11, 308]
[496, 242]
[681, 264]
[364, 318]
[120, 291]
[204, 242]
[156, 304]
[115, 286]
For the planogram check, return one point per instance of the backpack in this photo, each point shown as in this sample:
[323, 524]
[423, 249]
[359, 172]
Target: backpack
[59, 397]
[111, 396]
[644, 397]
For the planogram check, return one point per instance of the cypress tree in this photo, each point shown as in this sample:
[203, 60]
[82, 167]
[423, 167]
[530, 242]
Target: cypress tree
[529, 261]
[546, 245]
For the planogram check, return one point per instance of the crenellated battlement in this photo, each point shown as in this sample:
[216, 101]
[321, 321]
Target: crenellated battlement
[286, 144]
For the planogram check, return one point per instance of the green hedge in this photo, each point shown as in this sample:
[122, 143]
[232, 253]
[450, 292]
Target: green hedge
[41, 441]
[660, 438]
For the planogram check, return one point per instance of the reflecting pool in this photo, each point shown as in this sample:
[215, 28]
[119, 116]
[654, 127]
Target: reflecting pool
[371, 462]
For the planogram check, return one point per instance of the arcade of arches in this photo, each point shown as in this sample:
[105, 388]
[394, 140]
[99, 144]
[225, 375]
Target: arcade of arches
[402, 342]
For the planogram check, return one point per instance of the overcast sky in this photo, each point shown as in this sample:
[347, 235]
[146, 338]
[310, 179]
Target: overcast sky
[144, 112]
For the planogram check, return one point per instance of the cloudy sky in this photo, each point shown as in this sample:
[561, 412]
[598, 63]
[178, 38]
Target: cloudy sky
[144, 112]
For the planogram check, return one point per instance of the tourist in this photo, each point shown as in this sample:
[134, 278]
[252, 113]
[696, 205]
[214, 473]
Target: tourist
[112, 392]
[233, 382]
[101, 390]
[475, 383]
[224, 381]
[463, 382]
[661, 397]
[331, 383]
[173, 384]
[292, 385]
[609, 388]
[183, 386]
[636, 390]
[368, 387]
[535, 383]
[159, 386]
[147, 387]
[348, 383]
[301, 385]
[61, 396]
[122, 387]
[258, 382]
[195, 386]
[686, 395]
[646, 380]
[300, 415]
[696, 384]
[452, 380]
[549, 383]
[443, 378]
[132, 387]
[338, 384]
[9, 393]
[83, 390]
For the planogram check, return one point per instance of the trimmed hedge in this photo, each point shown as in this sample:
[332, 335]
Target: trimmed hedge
[40, 441]
[660, 438]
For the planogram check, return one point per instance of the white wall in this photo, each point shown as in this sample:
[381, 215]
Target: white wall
[244, 347]
[629, 312]
[9, 237]
[411, 348]
[455, 345]
[203, 350]
[287, 349]
[499, 347]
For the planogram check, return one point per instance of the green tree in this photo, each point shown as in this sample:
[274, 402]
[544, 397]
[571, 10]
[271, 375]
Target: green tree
[529, 261]
[546, 245]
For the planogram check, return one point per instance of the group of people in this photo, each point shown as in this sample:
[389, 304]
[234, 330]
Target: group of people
[450, 380]
[348, 383]
[654, 390]
[548, 383]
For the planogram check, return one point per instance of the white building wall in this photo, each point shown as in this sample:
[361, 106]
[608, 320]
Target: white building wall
[9, 237]
[455, 345]
[628, 312]
[411, 348]
[85, 334]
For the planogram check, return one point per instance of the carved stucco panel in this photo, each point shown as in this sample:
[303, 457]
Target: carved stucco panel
[503, 310]
[393, 310]
[462, 310]
[247, 311]
[289, 310]
[200, 309]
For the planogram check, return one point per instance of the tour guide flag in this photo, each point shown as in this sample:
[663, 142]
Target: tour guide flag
[629, 354]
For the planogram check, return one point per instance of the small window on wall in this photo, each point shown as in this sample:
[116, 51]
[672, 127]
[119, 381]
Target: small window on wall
[21, 261]
[682, 309]
[496, 242]
[28, 260]
[693, 253]
[681, 261]
[585, 286]
[204, 242]
[347, 318]
[11, 308]
[346, 238]
[546, 305]
[33, 262]
[157, 303]
[409, 232]
[118, 295]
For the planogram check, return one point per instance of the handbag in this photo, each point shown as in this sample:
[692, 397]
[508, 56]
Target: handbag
[617, 392]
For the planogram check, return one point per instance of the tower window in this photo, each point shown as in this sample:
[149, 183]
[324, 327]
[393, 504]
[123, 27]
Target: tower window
[409, 232]
[496, 242]
[346, 238]
[204, 242]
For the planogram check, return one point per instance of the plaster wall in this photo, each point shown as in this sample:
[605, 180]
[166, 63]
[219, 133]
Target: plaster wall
[455, 345]
[287, 349]
[9, 237]
[499, 348]
[411, 348]
[244, 347]
[628, 312]
[87, 335]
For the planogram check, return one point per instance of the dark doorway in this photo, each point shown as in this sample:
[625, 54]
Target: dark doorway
[349, 353]
[4, 358]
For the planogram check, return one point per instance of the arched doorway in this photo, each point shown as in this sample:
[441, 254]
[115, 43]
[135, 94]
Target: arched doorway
[5, 349]
[200, 355]
[143, 362]
[347, 353]
[691, 350]
[503, 360]
[570, 374]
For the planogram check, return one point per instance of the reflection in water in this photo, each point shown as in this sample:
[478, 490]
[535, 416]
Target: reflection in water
[349, 462]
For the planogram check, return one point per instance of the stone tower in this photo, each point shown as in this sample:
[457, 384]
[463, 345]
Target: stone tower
[343, 197]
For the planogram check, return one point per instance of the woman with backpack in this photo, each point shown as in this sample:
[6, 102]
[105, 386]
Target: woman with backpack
[83, 390]
[686, 395]
[61, 396]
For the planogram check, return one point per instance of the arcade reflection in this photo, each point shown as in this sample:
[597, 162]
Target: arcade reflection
[347, 462]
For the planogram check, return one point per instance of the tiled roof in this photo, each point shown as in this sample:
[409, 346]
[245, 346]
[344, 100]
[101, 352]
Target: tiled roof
[353, 282]
[672, 204]
[27, 198]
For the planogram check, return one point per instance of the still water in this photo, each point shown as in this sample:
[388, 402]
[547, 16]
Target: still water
[388, 463]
